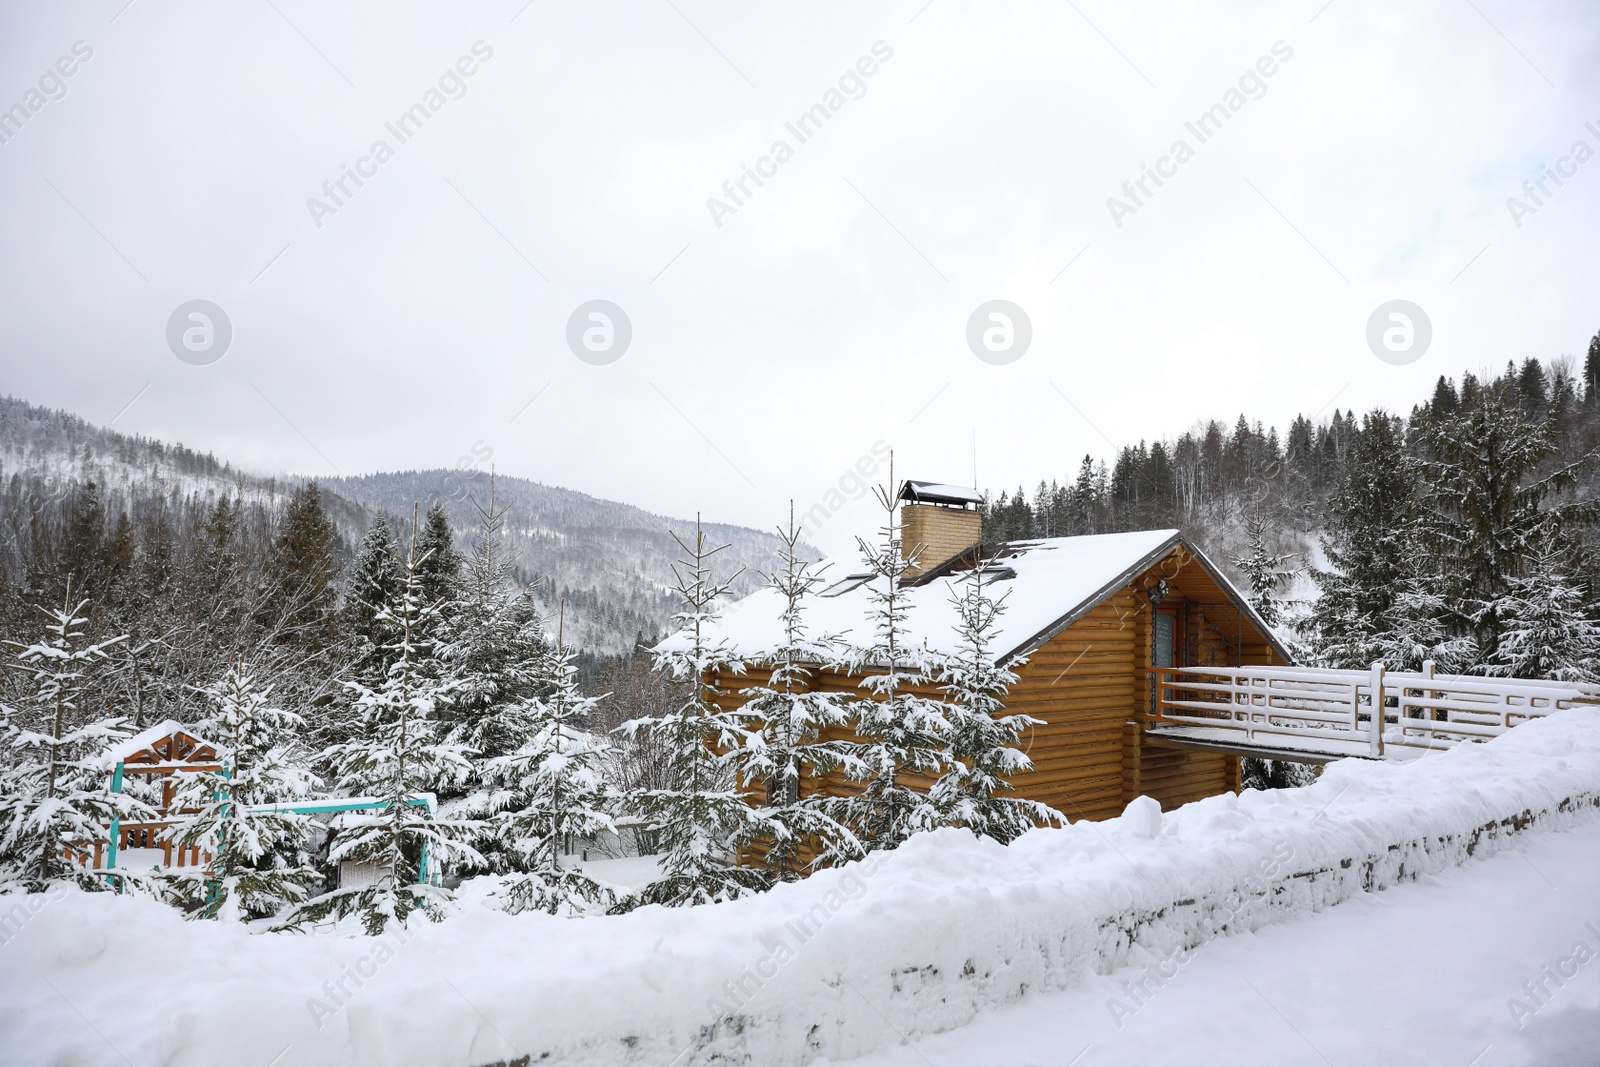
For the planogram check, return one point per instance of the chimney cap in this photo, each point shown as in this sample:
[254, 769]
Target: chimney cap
[939, 493]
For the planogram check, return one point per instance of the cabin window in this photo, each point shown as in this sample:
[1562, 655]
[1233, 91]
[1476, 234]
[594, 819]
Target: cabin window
[1162, 637]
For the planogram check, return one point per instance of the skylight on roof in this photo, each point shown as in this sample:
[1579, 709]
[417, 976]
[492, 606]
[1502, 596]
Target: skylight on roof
[995, 574]
[846, 584]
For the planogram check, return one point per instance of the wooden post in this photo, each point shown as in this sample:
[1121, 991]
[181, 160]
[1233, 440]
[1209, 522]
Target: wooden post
[1377, 709]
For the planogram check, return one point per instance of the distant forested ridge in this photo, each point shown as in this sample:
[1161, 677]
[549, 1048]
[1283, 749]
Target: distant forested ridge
[609, 561]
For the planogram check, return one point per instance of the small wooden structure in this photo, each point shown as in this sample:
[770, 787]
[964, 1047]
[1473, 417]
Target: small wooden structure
[165, 750]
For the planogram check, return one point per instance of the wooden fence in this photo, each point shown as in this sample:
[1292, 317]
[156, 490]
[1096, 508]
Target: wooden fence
[1330, 713]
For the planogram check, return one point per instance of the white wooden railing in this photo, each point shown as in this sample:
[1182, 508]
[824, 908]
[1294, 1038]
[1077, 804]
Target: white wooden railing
[1330, 712]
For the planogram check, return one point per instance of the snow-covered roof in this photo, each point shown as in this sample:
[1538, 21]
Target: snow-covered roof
[938, 493]
[142, 740]
[1056, 580]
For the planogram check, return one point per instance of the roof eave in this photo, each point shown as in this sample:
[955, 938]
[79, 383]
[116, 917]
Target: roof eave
[1150, 559]
[1095, 599]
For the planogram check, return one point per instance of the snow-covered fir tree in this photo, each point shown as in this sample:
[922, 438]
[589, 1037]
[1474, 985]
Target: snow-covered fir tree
[1545, 630]
[259, 863]
[1416, 626]
[395, 758]
[375, 579]
[1492, 506]
[55, 789]
[898, 731]
[784, 719]
[1268, 571]
[559, 796]
[493, 645]
[981, 743]
[442, 563]
[702, 818]
[1372, 531]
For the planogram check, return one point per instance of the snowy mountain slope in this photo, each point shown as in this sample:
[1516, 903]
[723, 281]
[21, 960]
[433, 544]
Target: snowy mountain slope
[611, 561]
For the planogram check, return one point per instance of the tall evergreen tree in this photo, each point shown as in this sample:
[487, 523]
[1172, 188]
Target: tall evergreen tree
[375, 579]
[396, 758]
[899, 732]
[303, 568]
[560, 796]
[55, 794]
[494, 646]
[702, 816]
[1591, 373]
[1491, 506]
[1371, 529]
[259, 864]
[982, 753]
[784, 719]
[1267, 571]
[1546, 633]
[441, 570]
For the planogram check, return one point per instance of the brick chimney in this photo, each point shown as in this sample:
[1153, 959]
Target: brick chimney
[938, 522]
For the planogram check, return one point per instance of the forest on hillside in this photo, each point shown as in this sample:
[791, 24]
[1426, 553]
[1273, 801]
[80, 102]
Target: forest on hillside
[609, 562]
[1464, 532]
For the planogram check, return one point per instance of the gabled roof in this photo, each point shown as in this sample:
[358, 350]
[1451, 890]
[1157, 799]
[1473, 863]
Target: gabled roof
[166, 744]
[1051, 584]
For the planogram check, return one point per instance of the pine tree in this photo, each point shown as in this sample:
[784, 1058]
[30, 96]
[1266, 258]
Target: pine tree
[375, 580]
[560, 793]
[701, 818]
[441, 569]
[495, 647]
[55, 793]
[784, 719]
[898, 732]
[303, 567]
[1370, 538]
[395, 758]
[259, 864]
[1591, 373]
[1266, 570]
[1546, 632]
[1489, 507]
[982, 752]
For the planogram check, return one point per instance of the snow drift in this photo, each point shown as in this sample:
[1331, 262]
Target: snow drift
[852, 960]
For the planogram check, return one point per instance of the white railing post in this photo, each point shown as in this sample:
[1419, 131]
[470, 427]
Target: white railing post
[1377, 708]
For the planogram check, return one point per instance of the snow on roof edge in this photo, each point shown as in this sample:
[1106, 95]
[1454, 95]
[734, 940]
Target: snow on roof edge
[149, 736]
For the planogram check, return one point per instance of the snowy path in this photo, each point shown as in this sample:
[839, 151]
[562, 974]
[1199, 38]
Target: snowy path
[1417, 975]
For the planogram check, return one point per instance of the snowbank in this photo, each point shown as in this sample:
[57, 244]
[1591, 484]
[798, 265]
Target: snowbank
[847, 962]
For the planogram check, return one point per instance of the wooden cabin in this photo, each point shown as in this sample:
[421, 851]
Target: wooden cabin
[1086, 620]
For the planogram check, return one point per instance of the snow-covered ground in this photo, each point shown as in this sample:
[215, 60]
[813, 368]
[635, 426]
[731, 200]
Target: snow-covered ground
[1420, 974]
[1010, 949]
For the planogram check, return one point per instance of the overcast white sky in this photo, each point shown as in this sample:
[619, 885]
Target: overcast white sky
[830, 311]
